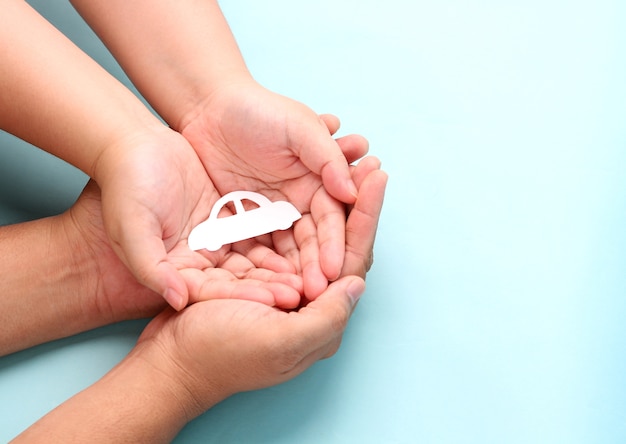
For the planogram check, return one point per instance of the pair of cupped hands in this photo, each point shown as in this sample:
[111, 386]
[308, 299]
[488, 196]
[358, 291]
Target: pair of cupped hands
[155, 186]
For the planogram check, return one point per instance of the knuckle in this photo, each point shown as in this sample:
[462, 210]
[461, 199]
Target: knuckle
[332, 349]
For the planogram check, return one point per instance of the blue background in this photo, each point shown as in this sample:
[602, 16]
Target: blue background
[494, 311]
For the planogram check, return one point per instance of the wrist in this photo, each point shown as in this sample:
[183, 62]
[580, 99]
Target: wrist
[67, 265]
[142, 383]
[174, 56]
[41, 290]
[195, 389]
[106, 289]
[117, 151]
[134, 402]
[80, 257]
[203, 99]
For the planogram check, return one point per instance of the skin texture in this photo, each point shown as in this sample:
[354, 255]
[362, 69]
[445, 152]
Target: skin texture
[154, 187]
[63, 277]
[185, 61]
[260, 311]
[185, 362]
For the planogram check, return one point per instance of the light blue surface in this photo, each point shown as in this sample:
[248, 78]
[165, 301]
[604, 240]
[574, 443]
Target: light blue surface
[494, 311]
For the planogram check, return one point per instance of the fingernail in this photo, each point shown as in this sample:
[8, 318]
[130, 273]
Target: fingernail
[174, 298]
[352, 189]
[355, 289]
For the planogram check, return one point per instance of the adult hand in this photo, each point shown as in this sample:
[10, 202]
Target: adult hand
[220, 347]
[252, 139]
[186, 362]
[216, 348]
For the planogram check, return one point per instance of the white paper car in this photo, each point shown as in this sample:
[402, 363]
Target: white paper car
[269, 216]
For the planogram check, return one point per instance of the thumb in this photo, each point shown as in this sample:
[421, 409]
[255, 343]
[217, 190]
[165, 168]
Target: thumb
[317, 329]
[146, 257]
[346, 291]
[323, 155]
[327, 316]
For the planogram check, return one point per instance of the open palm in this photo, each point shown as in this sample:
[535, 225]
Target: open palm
[156, 193]
[249, 138]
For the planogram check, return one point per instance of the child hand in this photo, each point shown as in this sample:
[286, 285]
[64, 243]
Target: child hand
[154, 191]
[249, 138]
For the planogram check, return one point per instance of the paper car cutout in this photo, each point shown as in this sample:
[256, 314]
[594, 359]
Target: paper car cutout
[269, 216]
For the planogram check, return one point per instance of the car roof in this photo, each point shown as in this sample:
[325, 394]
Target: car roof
[237, 197]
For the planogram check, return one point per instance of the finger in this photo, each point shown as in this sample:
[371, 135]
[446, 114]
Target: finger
[292, 280]
[329, 216]
[322, 155]
[353, 147]
[336, 178]
[242, 268]
[141, 248]
[362, 224]
[363, 168]
[332, 122]
[313, 278]
[286, 246]
[263, 257]
[316, 329]
[220, 284]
